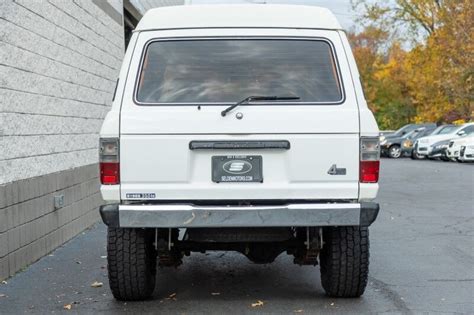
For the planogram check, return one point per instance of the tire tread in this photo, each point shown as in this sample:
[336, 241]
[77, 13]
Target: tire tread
[345, 261]
[131, 264]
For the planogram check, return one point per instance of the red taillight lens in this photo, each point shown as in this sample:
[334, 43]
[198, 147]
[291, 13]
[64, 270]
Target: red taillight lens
[369, 160]
[369, 171]
[110, 173]
[109, 161]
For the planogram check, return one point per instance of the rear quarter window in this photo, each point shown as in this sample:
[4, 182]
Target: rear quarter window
[208, 71]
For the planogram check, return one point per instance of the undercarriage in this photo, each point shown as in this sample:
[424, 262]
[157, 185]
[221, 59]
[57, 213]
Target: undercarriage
[260, 245]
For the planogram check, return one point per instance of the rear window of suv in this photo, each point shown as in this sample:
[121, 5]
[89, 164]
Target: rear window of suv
[209, 71]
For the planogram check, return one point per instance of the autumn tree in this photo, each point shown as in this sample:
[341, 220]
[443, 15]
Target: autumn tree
[436, 73]
[382, 77]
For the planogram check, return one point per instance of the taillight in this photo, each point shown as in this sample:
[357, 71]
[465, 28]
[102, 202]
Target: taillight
[369, 160]
[109, 161]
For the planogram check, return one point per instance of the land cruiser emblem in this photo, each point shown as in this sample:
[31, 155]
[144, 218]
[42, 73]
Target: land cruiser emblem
[141, 196]
[334, 170]
[237, 167]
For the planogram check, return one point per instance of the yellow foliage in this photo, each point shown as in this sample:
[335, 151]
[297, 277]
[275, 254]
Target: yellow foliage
[433, 81]
[459, 122]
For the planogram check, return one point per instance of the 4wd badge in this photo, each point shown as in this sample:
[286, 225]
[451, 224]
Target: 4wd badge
[334, 170]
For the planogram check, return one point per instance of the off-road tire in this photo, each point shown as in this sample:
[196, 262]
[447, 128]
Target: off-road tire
[131, 264]
[344, 261]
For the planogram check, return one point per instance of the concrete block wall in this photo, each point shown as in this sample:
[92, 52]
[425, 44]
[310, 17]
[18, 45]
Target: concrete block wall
[59, 61]
[31, 226]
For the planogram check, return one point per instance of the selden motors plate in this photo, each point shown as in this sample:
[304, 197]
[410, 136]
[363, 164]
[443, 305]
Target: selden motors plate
[237, 169]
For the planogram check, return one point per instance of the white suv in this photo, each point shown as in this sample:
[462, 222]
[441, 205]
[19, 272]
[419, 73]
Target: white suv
[466, 154]
[453, 151]
[425, 144]
[242, 128]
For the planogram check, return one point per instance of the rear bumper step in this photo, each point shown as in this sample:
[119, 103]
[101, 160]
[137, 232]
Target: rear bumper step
[192, 216]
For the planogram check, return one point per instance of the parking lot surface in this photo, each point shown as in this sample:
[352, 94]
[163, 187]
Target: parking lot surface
[421, 261]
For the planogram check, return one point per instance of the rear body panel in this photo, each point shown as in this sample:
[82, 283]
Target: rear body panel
[171, 171]
[156, 161]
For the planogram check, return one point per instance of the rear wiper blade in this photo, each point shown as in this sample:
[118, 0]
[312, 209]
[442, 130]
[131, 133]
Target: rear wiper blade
[258, 98]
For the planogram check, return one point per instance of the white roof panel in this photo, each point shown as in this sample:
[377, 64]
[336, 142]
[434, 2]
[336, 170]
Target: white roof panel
[241, 16]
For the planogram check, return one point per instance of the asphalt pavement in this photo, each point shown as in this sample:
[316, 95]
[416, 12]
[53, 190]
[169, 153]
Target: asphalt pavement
[421, 262]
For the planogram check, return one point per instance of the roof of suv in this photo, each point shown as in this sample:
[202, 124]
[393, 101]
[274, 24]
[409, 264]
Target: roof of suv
[238, 16]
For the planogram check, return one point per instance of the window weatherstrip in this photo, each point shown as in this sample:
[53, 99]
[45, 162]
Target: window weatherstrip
[334, 60]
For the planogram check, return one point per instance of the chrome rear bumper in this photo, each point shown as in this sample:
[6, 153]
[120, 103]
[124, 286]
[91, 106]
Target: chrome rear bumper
[193, 216]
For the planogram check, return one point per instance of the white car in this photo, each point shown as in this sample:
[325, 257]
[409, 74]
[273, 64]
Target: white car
[246, 128]
[454, 147]
[466, 150]
[425, 144]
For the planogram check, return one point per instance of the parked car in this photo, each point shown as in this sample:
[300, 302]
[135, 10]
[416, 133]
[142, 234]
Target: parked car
[454, 147]
[401, 132]
[216, 128]
[425, 144]
[466, 153]
[391, 146]
[443, 129]
[438, 150]
[385, 133]
[409, 140]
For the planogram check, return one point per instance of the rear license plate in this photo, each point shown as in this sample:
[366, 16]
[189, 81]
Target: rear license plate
[237, 169]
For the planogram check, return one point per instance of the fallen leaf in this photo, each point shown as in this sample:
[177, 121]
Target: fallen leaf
[257, 304]
[4, 282]
[298, 311]
[67, 306]
[97, 284]
[215, 293]
[78, 262]
[332, 304]
[103, 256]
[3, 295]
[172, 296]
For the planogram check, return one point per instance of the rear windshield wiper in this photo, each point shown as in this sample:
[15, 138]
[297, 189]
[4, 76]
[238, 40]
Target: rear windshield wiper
[258, 98]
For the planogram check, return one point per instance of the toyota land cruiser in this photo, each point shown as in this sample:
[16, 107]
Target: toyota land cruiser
[239, 128]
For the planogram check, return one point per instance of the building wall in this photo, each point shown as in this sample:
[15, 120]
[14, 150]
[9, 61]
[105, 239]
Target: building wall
[59, 64]
[59, 61]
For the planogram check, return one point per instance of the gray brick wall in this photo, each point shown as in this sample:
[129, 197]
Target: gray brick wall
[30, 225]
[59, 60]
